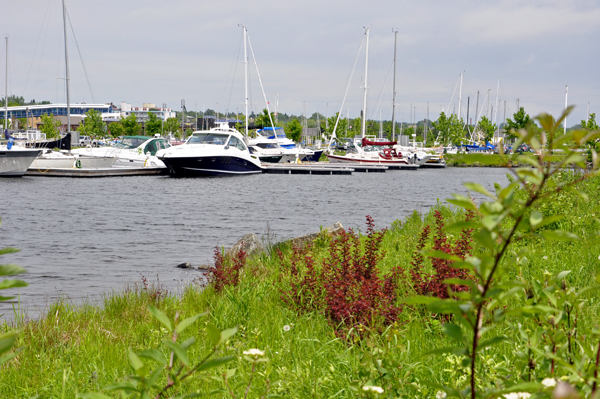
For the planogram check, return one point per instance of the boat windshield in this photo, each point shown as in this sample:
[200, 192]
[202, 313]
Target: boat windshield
[129, 143]
[208, 138]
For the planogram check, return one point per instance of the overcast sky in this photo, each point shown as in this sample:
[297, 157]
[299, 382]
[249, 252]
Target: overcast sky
[147, 51]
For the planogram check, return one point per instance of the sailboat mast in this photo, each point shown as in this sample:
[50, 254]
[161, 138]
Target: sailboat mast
[394, 90]
[566, 93]
[6, 93]
[246, 80]
[67, 76]
[364, 116]
[460, 96]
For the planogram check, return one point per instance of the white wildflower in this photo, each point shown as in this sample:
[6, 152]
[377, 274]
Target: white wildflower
[286, 328]
[440, 395]
[254, 352]
[549, 382]
[545, 257]
[370, 388]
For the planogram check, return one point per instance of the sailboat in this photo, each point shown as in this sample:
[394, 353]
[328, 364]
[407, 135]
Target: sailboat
[14, 161]
[50, 159]
[387, 157]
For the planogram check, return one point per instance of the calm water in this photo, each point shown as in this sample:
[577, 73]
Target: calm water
[80, 238]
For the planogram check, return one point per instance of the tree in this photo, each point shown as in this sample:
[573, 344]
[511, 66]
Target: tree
[92, 125]
[50, 126]
[449, 129]
[487, 128]
[591, 123]
[521, 120]
[153, 125]
[294, 130]
[131, 126]
[342, 127]
[171, 125]
[116, 129]
[263, 119]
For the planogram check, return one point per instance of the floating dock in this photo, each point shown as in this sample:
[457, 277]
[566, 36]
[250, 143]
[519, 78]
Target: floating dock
[96, 172]
[316, 168]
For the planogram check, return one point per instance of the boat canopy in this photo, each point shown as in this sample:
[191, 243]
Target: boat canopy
[366, 142]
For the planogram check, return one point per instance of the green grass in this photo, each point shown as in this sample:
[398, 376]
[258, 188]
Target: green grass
[78, 349]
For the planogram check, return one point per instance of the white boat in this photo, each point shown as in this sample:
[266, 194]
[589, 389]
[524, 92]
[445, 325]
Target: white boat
[131, 151]
[15, 161]
[356, 154]
[273, 141]
[218, 151]
[62, 160]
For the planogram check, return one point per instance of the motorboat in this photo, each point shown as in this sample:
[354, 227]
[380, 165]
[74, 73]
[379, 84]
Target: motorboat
[270, 138]
[218, 151]
[131, 151]
[424, 157]
[14, 161]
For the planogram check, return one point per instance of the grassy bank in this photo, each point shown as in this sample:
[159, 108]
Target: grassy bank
[74, 350]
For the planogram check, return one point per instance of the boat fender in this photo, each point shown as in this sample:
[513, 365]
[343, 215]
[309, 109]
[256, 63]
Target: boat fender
[78, 164]
[9, 144]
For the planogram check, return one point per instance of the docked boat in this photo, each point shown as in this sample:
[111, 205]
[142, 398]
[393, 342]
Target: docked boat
[356, 154]
[131, 151]
[218, 151]
[15, 161]
[50, 159]
[274, 140]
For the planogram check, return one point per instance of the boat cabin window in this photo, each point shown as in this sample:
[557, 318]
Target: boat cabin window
[235, 142]
[208, 138]
[130, 142]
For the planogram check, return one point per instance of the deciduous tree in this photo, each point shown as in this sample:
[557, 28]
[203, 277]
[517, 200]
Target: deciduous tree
[294, 130]
[153, 125]
[131, 126]
[92, 125]
[50, 126]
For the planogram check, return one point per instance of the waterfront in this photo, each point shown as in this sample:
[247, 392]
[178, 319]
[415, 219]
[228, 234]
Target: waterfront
[83, 237]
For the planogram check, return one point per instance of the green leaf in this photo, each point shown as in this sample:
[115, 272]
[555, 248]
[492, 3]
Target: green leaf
[453, 331]
[188, 322]
[441, 255]
[94, 396]
[4, 251]
[535, 219]
[226, 334]
[12, 284]
[484, 237]
[464, 224]
[214, 362]
[463, 202]
[160, 316]
[479, 188]
[7, 340]
[560, 276]
[178, 351]
[188, 342]
[559, 235]
[153, 354]
[9, 270]
[214, 334]
[122, 386]
[136, 363]
[493, 341]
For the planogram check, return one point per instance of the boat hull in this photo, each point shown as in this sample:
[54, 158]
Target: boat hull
[210, 166]
[366, 160]
[314, 157]
[14, 163]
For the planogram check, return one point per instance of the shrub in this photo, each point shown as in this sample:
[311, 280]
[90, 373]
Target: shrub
[227, 268]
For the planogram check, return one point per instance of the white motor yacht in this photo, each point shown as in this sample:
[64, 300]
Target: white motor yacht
[218, 151]
[131, 151]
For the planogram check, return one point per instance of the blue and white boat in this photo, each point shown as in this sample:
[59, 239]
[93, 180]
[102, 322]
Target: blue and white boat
[275, 138]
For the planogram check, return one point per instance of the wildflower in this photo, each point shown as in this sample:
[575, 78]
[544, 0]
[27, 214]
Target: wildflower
[545, 257]
[548, 382]
[440, 395]
[371, 388]
[286, 328]
[564, 390]
[254, 352]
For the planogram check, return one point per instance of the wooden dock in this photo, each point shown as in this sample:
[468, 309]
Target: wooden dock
[97, 172]
[313, 168]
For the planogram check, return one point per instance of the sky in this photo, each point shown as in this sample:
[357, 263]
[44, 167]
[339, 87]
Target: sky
[147, 51]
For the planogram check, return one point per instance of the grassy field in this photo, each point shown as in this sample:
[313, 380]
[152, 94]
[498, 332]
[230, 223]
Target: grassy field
[74, 350]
